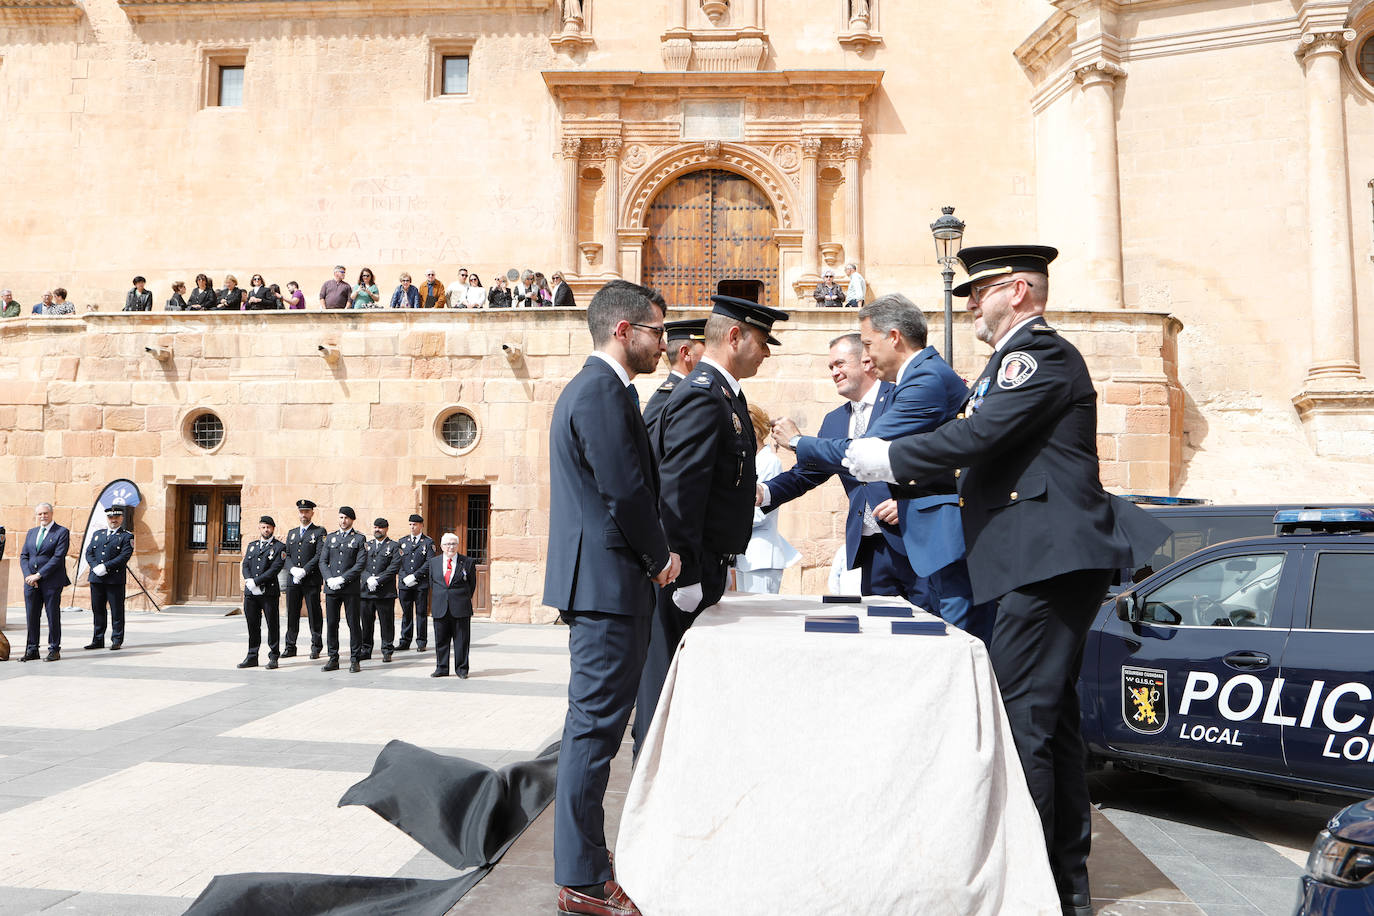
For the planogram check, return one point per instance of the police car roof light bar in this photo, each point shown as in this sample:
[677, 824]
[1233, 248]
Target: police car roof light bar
[1324, 520]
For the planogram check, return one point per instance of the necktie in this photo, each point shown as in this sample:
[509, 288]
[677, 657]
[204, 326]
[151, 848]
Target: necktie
[634, 395]
[861, 427]
[448, 572]
[42, 533]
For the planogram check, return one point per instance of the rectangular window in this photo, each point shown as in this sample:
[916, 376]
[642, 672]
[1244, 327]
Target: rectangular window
[231, 87]
[200, 523]
[455, 74]
[1340, 600]
[230, 538]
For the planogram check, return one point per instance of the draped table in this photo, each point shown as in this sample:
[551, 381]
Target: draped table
[817, 773]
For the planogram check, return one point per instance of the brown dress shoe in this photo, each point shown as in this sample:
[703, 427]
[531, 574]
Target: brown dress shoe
[617, 902]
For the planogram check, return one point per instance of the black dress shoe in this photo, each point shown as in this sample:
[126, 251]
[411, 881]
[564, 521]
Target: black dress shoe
[354, 667]
[249, 662]
[403, 647]
[365, 655]
[1076, 904]
[99, 644]
[438, 674]
[331, 665]
[290, 652]
[31, 656]
[314, 654]
[116, 646]
[52, 656]
[386, 655]
[463, 676]
[419, 647]
[271, 663]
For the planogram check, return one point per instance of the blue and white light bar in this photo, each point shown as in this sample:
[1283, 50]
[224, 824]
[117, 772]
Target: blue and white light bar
[1345, 517]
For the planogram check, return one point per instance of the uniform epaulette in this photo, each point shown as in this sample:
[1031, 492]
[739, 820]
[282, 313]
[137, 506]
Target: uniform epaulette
[668, 385]
[1042, 329]
[703, 380]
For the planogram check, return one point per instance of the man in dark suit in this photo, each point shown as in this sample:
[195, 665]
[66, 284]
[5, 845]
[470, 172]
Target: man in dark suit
[341, 564]
[379, 589]
[705, 445]
[303, 546]
[416, 550]
[927, 393]
[562, 292]
[263, 560]
[606, 552]
[43, 561]
[1042, 535]
[875, 550]
[452, 579]
[686, 341]
[108, 555]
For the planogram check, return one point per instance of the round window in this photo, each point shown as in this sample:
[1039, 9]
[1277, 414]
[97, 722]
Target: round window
[458, 431]
[1365, 59]
[207, 431]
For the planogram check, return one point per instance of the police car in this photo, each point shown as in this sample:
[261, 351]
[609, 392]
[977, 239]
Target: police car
[1249, 661]
[1339, 880]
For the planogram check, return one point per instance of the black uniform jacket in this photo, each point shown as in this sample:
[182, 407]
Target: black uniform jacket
[303, 550]
[383, 559]
[706, 447]
[1025, 442]
[113, 548]
[262, 562]
[344, 554]
[414, 556]
[653, 408]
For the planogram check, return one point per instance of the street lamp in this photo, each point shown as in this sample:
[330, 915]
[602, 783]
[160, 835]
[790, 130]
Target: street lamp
[948, 231]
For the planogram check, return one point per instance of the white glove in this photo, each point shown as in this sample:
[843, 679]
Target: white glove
[248, 585]
[868, 461]
[334, 582]
[98, 569]
[372, 583]
[297, 574]
[687, 598]
[410, 580]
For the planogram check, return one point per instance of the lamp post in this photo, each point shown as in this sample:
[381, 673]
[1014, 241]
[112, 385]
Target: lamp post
[948, 231]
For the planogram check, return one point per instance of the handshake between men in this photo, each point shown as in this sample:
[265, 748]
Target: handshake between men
[866, 459]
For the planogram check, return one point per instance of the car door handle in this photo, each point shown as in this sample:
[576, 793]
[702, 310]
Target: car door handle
[1247, 661]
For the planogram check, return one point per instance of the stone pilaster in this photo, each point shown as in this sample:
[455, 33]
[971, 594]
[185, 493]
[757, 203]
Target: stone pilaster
[853, 201]
[567, 222]
[1098, 80]
[610, 241]
[811, 233]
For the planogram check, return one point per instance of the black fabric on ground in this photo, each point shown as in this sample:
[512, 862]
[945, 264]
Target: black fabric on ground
[464, 813]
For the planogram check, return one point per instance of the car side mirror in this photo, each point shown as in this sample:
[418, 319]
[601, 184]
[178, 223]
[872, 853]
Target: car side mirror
[1128, 608]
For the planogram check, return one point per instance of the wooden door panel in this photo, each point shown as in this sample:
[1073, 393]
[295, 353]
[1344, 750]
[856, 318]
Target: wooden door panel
[209, 541]
[466, 512]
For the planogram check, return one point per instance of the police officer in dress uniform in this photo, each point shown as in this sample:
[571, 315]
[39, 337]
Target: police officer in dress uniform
[416, 549]
[705, 447]
[686, 341]
[1042, 535]
[263, 561]
[108, 555]
[303, 545]
[379, 589]
[341, 564]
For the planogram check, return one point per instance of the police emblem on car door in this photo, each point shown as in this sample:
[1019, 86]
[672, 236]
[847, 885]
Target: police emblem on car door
[1144, 699]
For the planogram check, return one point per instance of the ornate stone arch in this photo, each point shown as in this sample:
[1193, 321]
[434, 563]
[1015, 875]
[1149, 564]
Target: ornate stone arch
[690, 157]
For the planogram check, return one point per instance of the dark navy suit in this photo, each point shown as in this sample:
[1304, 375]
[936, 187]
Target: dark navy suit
[880, 557]
[450, 604]
[112, 548]
[928, 394]
[50, 562]
[605, 545]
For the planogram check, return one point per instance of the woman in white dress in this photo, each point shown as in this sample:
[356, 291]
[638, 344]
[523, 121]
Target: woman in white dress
[759, 569]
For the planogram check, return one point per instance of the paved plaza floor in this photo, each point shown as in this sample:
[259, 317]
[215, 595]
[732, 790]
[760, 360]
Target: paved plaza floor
[129, 779]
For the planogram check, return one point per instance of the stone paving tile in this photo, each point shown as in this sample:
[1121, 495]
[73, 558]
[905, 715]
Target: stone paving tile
[1202, 886]
[50, 700]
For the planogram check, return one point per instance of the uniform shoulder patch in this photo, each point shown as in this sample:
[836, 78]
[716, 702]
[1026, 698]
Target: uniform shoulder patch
[703, 380]
[1042, 329]
[1016, 370]
[668, 385]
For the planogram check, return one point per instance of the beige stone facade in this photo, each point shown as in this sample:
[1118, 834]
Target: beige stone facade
[1202, 166]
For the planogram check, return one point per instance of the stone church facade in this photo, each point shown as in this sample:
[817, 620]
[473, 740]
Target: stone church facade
[1203, 166]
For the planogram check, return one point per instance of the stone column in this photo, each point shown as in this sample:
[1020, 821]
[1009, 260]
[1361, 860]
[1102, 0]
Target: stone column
[610, 240]
[1103, 184]
[1331, 261]
[853, 212]
[811, 233]
[567, 223]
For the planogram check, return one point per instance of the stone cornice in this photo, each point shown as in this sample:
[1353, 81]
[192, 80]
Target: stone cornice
[39, 12]
[148, 10]
[853, 84]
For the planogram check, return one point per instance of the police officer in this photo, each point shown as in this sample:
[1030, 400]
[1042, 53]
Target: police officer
[262, 563]
[1042, 535]
[342, 559]
[416, 549]
[108, 555]
[379, 589]
[303, 545]
[686, 341]
[705, 447]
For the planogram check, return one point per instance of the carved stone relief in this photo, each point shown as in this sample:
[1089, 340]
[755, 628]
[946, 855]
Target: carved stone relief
[787, 156]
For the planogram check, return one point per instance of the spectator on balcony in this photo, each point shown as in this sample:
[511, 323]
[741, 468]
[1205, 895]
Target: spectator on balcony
[366, 295]
[541, 296]
[562, 293]
[406, 296]
[8, 307]
[138, 299]
[521, 295]
[59, 305]
[498, 297]
[432, 293]
[475, 296]
[828, 292]
[453, 299]
[40, 307]
[857, 291]
[260, 296]
[203, 298]
[177, 303]
[334, 294]
[294, 298]
[231, 298]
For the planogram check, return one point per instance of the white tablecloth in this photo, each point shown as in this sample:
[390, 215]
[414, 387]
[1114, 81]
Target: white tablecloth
[797, 773]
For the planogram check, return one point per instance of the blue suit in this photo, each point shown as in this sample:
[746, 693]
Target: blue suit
[881, 557]
[50, 562]
[928, 394]
[606, 543]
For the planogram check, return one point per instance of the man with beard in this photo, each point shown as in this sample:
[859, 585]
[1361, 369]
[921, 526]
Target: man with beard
[341, 563]
[416, 550]
[379, 589]
[303, 545]
[686, 341]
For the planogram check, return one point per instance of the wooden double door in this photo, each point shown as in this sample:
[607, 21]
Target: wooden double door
[711, 232]
[466, 512]
[209, 545]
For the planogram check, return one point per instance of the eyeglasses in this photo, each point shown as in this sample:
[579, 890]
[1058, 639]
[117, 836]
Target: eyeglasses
[976, 296]
[657, 331]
